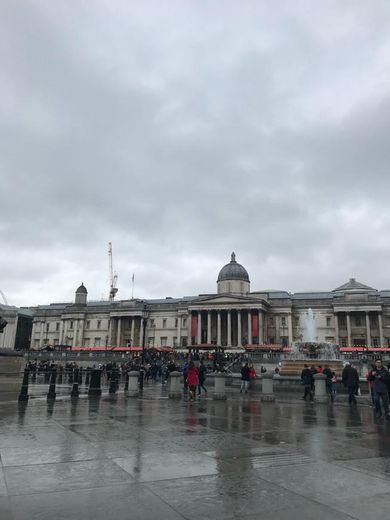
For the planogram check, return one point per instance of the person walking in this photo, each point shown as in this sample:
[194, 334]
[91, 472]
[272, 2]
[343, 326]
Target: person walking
[308, 381]
[350, 378]
[381, 381]
[192, 380]
[202, 377]
[245, 378]
[333, 387]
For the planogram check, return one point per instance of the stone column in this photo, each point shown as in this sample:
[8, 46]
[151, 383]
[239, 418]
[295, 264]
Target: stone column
[119, 332]
[249, 327]
[81, 335]
[199, 332]
[132, 330]
[111, 332]
[349, 329]
[218, 328]
[290, 333]
[41, 335]
[208, 327]
[239, 332]
[75, 327]
[60, 340]
[368, 329]
[229, 329]
[64, 332]
[380, 325]
[261, 328]
[178, 333]
[336, 328]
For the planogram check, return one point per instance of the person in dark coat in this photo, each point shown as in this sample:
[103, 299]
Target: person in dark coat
[308, 381]
[380, 378]
[202, 377]
[350, 378]
[245, 378]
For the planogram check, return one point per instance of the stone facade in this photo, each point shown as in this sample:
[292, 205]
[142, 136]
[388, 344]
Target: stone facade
[353, 314]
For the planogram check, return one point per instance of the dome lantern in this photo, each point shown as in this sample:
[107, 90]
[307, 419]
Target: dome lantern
[233, 278]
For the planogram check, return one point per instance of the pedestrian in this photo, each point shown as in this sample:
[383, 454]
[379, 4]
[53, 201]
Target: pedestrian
[333, 387]
[350, 378]
[202, 377]
[370, 381]
[307, 380]
[328, 373]
[192, 380]
[381, 382]
[245, 378]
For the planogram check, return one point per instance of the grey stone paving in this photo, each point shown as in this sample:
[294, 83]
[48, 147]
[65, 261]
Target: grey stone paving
[152, 458]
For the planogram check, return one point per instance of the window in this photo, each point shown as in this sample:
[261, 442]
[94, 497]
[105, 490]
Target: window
[184, 341]
[284, 340]
[358, 321]
[57, 327]
[374, 321]
[47, 327]
[328, 319]
[271, 341]
[174, 341]
[283, 321]
[86, 342]
[96, 342]
[164, 324]
[342, 322]
[343, 342]
[163, 341]
[184, 322]
[176, 322]
[152, 322]
[270, 321]
[88, 324]
[71, 325]
[296, 320]
[98, 324]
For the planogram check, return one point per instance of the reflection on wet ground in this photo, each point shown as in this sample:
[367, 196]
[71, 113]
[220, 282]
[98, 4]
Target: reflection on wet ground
[120, 457]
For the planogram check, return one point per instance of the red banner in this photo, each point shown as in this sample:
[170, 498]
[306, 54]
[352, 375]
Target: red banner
[255, 325]
[194, 325]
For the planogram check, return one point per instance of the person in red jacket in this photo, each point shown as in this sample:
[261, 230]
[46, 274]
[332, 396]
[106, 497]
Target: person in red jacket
[192, 379]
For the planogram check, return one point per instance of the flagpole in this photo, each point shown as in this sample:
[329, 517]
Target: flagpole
[132, 287]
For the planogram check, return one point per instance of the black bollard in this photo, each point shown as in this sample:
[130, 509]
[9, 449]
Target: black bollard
[141, 377]
[113, 381]
[127, 381]
[95, 383]
[80, 376]
[23, 396]
[87, 376]
[52, 388]
[75, 388]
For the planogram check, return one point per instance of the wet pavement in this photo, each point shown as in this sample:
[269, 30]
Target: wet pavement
[154, 458]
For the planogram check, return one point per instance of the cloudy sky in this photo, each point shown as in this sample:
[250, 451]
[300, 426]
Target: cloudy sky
[183, 130]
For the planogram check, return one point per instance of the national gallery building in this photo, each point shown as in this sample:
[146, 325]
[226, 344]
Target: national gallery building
[352, 314]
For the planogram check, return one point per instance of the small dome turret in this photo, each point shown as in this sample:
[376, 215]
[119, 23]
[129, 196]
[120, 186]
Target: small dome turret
[81, 295]
[233, 278]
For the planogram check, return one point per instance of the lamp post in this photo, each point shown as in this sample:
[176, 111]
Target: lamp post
[145, 315]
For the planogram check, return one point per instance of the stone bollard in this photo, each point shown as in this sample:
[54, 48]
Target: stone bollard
[87, 376]
[95, 387]
[133, 384]
[219, 386]
[75, 389]
[320, 394]
[52, 388]
[267, 387]
[23, 396]
[174, 385]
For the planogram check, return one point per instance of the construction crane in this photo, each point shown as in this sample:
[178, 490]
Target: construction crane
[3, 296]
[113, 276]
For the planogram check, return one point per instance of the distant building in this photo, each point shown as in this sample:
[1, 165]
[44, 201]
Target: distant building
[17, 333]
[352, 314]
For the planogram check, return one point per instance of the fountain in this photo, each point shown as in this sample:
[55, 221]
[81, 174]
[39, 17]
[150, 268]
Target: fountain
[309, 349]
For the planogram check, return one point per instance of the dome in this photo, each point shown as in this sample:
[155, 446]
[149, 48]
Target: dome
[82, 289]
[233, 271]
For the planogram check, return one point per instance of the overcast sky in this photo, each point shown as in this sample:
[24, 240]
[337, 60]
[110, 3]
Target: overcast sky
[183, 130]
